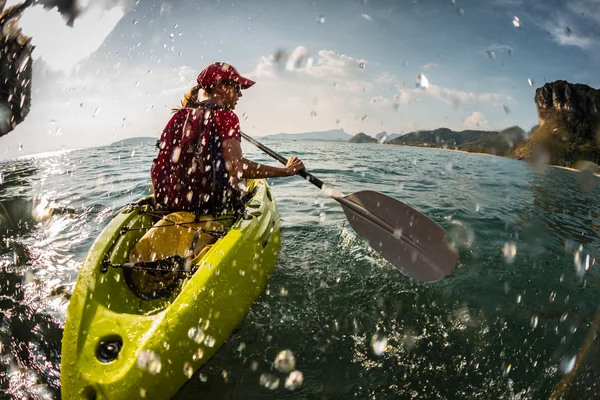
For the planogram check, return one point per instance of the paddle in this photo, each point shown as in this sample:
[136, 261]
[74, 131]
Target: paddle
[409, 240]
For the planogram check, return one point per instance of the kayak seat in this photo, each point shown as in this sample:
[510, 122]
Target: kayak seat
[177, 234]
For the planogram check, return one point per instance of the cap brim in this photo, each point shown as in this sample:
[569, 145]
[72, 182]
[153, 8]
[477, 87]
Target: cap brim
[246, 83]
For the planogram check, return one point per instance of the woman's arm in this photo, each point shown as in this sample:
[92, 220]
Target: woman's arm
[239, 166]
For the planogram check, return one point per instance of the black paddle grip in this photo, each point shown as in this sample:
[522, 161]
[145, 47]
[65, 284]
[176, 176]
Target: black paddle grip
[306, 175]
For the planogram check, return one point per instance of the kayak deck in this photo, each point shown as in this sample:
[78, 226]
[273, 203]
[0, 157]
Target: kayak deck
[117, 345]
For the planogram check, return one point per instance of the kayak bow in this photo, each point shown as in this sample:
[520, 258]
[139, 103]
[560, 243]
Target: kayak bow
[140, 328]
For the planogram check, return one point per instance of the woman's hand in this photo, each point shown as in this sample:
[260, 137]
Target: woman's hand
[294, 165]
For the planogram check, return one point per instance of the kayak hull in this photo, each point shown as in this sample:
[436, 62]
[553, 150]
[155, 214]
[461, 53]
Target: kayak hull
[164, 340]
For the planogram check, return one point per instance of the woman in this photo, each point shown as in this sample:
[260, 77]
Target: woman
[200, 162]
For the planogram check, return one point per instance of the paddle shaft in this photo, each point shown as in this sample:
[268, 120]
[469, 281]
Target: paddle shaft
[306, 175]
[406, 238]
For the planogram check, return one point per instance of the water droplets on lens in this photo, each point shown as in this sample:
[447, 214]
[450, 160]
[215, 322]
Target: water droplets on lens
[509, 251]
[269, 380]
[285, 361]
[149, 361]
[379, 344]
[567, 364]
[294, 380]
[422, 81]
[188, 370]
[516, 22]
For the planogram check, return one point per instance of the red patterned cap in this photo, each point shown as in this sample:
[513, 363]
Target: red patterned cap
[220, 71]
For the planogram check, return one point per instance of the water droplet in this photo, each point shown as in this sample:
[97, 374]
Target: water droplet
[196, 334]
[506, 110]
[313, 113]
[294, 380]
[132, 153]
[477, 207]
[320, 19]
[209, 341]
[285, 361]
[202, 377]
[534, 321]
[581, 266]
[322, 216]
[361, 65]
[149, 361]
[135, 21]
[552, 297]
[563, 317]
[378, 344]
[269, 381]
[519, 298]
[509, 251]
[422, 81]
[171, 35]
[188, 370]
[460, 11]
[567, 364]
[198, 355]
[530, 81]
[516, 22]
[507, 370]
[142, 392]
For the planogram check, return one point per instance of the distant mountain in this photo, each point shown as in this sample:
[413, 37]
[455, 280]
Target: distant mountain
[500, 143]
[362, 138]
[332, 135]
[136, 141]
[383, 137]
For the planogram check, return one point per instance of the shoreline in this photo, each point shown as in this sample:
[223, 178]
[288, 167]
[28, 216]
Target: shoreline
[597, 174]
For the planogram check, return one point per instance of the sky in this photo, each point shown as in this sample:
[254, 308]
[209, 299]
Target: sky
[357, 65]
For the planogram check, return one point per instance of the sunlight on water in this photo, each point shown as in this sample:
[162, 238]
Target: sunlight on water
[360, 319]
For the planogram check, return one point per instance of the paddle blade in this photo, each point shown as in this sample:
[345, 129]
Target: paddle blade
[412, 242]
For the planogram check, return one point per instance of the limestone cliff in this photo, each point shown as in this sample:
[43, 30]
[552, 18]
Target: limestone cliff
[569, 122]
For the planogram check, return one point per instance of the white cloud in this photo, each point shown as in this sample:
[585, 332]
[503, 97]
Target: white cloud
[386, 78]
[403, 97]
[565, 36]
[61, 46]
[456, 97]
[476, 121]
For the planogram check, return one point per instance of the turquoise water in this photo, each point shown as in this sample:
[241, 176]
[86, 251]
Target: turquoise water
[509, 323]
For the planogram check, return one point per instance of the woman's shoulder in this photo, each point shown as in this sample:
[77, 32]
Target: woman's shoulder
[224, 115]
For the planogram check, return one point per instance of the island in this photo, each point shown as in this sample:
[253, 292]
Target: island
[362, 138]
[136, 141]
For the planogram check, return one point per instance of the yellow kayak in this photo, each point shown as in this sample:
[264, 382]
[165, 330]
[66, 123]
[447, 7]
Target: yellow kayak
[159, 293]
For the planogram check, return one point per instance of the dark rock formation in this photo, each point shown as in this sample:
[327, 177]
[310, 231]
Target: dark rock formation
[570, 99]
[362, 138]
[569, 125]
